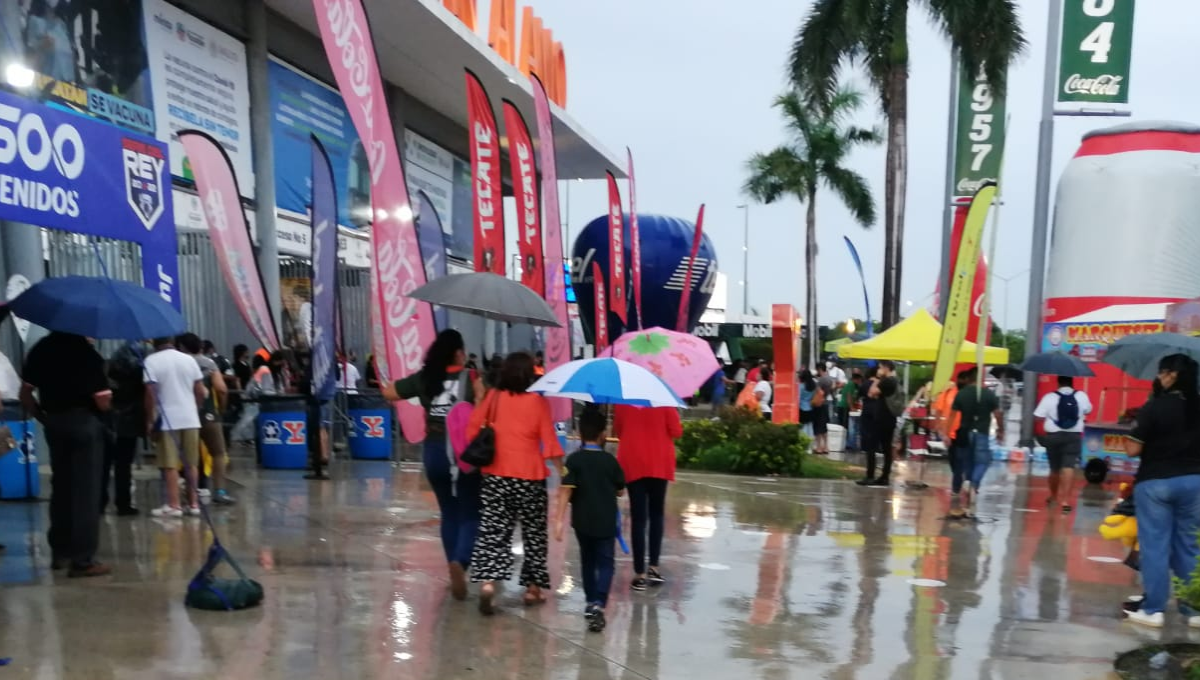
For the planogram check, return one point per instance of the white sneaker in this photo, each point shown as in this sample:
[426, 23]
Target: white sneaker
[1143, 619]
[166, 511]
[193, 511]
[1193, 621]
[204, 493]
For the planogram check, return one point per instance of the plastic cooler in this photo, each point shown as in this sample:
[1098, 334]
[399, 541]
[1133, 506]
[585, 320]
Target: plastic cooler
[283, 433]
[17, 479]
[371, 436]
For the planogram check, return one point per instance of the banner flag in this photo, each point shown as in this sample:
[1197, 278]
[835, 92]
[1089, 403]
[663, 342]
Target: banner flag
[635, 236]
[402, 328]
[230, 233]
[324, 274]
[863, 278]
[558, 340]
[601, 309]
[487, 194]
[529, 218]
[959, 303]
[433, 248]
[685, 298]
[616, 253]
[1095, 52]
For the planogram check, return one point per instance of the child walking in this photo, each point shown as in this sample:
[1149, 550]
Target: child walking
[591, 485]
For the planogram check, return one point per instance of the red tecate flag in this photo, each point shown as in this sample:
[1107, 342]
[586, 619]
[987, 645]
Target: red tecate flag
[601, 308]
[685, 297]
[616, 252]
[529, 216]
[486, 192]
[635, 238]
[401, 327]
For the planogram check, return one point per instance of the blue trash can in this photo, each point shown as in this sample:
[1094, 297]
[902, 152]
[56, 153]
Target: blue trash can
[283, 433]
[18, 467]
[371, 436]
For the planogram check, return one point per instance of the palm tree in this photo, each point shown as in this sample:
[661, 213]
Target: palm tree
[822, 138]
[986, 34]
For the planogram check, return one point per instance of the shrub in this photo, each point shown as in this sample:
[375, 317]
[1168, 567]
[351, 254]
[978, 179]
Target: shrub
[740, 442]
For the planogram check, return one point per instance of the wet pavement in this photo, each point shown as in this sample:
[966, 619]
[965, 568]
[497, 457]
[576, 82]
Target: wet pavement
[767, 578]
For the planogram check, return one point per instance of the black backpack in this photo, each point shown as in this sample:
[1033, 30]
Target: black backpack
[1068, 411]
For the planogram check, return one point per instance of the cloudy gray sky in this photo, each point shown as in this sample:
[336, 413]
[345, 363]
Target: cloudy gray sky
[688, 86]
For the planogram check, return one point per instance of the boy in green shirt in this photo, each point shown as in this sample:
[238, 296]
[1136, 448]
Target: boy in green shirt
[591, 485]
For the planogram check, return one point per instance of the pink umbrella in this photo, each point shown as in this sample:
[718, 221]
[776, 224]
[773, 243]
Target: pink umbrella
[683, 361]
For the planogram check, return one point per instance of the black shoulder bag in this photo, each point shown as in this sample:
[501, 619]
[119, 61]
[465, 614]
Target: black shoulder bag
[482, 450]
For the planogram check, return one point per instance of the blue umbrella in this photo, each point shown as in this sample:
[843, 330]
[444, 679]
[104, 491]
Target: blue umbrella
[1138, 355]
[606, 381]
[98, 307]
[1056, 363]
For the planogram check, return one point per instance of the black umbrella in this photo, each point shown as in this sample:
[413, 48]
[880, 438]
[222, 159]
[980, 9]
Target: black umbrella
[488, 295]
[1007, 372]
[1057, 363]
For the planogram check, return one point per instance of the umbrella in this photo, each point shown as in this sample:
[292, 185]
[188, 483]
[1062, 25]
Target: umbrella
[98, 307]
[488, 295]
[1138, 355]
[1006, 371]
[1057, 363]
[606, 381]
[683, 361]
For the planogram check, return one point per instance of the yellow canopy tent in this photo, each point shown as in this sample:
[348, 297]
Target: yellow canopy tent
[833, 345]
[916, 339]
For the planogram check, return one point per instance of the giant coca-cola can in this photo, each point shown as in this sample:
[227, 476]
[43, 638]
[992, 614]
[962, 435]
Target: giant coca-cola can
[1125, 244]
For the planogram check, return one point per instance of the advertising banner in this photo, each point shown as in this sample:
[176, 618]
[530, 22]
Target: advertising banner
[402, 328]
[616, 252]
[601, 308]
[324, 274]
[69, 172]
[230, 233]
[485, 171]
[529, 219]
[681, 322]
[1089, 340]
[959, 303]
[430, 169]
[302, 107]
[558, 340]
[198, 73]
[433, 249]
[1095, 51]
[979, 139]
[863, 278]
[89, 57]
[635, 239]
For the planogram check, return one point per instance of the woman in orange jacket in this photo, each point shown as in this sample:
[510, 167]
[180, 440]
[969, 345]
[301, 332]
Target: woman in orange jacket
[647, 456]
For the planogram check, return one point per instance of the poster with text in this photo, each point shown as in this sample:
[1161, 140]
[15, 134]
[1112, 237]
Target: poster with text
[436, 171]
[198, 73]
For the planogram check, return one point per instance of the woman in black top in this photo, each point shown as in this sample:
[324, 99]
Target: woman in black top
[1167, 487]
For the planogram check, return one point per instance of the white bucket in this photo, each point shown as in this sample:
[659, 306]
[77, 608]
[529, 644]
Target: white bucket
[837, 438]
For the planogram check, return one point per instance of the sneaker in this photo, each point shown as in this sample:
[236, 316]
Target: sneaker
[639, 584]
[1193, 621]
[93, 569]
[1141, 618]
[881, 481]
[596, 623]
[654, 577]
[223, 498]
[166, 511]
[590, 611]
[193, 511]
[865, 481]
[1132, 603]
[204, 493]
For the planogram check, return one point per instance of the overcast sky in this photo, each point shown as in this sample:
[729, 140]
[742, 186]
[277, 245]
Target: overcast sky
[688, 86]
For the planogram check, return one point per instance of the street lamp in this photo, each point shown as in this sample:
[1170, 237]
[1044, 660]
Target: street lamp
[745, 260]
[1006, 280]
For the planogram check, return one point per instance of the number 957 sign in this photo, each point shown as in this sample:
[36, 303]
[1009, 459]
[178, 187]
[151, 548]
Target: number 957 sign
[979, 138]
[1094, 54]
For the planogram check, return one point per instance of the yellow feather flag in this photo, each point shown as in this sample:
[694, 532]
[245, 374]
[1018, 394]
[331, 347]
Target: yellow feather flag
[958, 307]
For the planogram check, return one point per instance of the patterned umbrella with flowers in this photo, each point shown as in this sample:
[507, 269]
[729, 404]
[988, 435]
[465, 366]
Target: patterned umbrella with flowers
[683, 361]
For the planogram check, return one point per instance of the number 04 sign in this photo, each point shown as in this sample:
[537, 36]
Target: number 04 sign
[979, 139]
[1094, 54]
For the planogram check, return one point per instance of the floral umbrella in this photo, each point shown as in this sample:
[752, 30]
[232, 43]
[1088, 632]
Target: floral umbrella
[683, 361]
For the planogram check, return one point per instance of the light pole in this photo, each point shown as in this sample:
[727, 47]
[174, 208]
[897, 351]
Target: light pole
[1006, 280]
[745, 259]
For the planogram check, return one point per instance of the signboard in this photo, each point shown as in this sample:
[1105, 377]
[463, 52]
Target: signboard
[89, 58]
[979, 139]
[1090, 340]
[1095, 51]
[303, 106]
[446, 180]
[199, 78]
[69, 172]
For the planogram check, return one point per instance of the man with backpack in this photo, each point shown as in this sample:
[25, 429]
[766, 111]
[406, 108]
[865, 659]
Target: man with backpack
[885, 401]
[1063, 412]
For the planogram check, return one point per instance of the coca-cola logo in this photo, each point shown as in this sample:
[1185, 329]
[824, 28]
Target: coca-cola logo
[967, 186]
[350, 38]
[394, 258]
[1100, 86]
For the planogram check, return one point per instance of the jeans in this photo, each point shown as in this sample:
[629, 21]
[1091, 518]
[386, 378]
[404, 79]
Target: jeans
[118, 460]
[970, 461]
[1168, 514]
[76, 441]
[647, 503]
[596, 559]
[458, 501]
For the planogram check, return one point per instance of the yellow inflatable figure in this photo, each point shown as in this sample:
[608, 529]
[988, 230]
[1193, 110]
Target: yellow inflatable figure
[1120, 527]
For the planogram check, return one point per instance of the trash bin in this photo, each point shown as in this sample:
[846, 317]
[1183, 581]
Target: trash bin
[18, 466]
[282, 433]
[371, 436]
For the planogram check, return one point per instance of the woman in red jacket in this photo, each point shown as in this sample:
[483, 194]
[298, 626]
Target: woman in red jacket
[647, 456]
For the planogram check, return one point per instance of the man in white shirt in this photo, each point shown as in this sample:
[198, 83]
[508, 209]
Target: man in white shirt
[173, 401]
[764, 390]
[1063, 411]
[348, 376]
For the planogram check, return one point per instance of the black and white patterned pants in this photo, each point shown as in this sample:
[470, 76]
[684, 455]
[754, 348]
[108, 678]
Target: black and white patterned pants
[505, 502]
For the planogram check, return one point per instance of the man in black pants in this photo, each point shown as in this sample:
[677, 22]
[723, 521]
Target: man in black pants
[878, 413]
[125, 374]
[72, 392]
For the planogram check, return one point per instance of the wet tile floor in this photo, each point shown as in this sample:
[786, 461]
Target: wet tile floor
[768, 578]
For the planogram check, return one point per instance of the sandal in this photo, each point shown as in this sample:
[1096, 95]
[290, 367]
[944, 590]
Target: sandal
[487, 593]
[533, 596]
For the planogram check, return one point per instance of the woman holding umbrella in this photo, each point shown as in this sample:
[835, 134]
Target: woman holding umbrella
[647, 456]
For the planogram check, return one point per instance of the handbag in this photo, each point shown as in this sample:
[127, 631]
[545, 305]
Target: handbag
[482, 450]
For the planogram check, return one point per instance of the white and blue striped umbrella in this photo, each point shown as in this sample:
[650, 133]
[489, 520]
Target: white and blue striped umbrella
[606, 381]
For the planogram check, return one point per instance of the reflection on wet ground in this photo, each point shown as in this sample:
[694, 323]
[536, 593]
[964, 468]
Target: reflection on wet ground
[768, 578]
